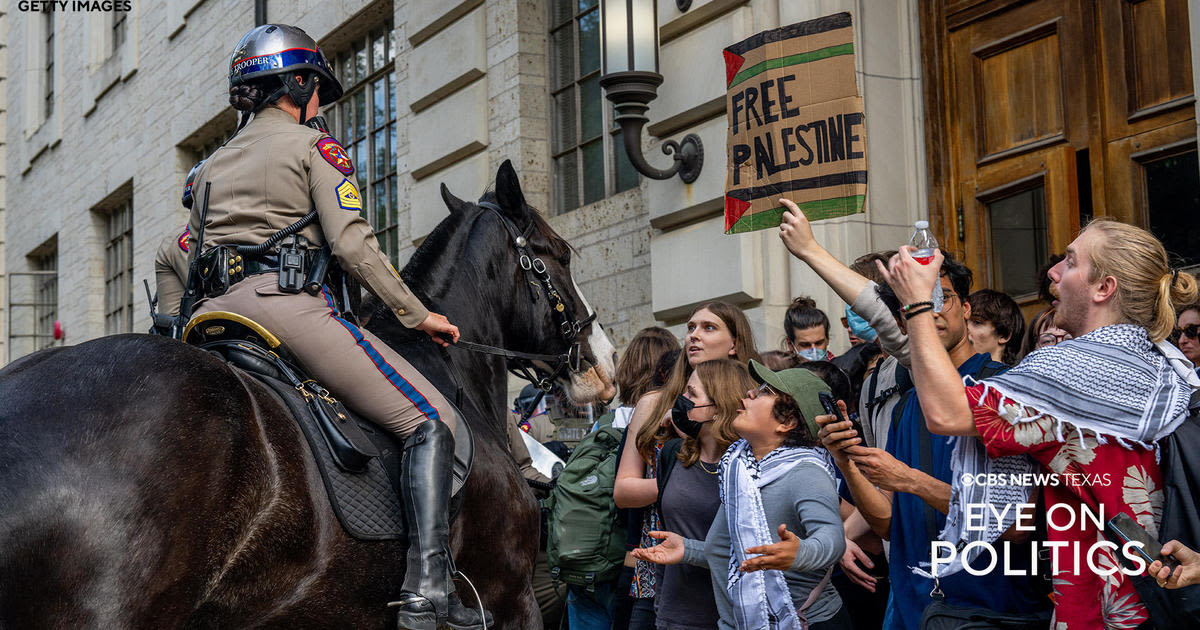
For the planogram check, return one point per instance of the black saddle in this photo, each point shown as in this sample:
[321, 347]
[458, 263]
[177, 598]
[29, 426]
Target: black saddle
[359, 462]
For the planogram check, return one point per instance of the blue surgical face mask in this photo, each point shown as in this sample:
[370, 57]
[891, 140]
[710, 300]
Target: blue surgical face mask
[812, 354]
[859, 326]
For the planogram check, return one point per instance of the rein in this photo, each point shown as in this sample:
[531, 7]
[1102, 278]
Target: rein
[522, 364]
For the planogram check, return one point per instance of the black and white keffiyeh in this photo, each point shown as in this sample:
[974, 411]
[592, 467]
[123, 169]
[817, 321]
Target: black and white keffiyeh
[1111, 382]
[761, 599]
[968, 463]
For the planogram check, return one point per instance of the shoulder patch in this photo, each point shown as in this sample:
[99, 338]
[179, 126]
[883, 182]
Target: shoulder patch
[348, 197]
[335, 155]
[183, 239]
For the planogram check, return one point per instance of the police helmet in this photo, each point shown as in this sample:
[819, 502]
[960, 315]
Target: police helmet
[187, 186]
[530, 395]
[280, 50]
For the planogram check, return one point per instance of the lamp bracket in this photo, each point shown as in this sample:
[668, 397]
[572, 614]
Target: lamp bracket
[631, 93]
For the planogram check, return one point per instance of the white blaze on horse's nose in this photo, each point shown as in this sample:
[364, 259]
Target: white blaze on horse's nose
[602, 347]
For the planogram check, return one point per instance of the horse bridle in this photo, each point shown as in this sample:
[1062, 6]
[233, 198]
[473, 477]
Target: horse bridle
[522, 364]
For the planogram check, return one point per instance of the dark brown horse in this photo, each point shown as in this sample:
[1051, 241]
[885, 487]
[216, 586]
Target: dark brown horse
[145, 484]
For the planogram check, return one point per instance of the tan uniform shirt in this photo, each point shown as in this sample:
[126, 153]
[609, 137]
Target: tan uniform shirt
[170, 270]
[273, 173]
[520, 452]
[541, 426]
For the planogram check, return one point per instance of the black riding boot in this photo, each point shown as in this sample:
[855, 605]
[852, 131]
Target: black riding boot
[427, 599]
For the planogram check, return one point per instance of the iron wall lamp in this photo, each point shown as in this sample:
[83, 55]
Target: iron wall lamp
[630, 78]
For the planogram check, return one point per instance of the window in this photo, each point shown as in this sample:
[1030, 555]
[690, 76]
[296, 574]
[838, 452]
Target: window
[45, 304]
[364, 121]
[118, 270]
[209, 138]
[579, 145]
[33, 302]
[118, 29]
[49, 77]
[1017, 224]
[205, 149]
[1172, 188]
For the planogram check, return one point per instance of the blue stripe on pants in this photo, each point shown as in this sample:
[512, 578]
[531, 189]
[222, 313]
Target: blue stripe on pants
[381, 364]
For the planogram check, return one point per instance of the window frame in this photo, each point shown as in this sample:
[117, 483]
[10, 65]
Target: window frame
[120, 27]
[612, 145]
[42, 301]
[375, 167]
[45, 306]
[1143, 161]
[48, 77]
[118, 267]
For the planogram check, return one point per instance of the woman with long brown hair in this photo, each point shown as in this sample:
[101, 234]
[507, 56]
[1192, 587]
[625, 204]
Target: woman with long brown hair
[715, 330]
[702, 417]
[774, 473]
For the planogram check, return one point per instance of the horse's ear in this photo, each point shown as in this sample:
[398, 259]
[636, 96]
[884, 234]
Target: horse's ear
[508, 192]
[453, 203]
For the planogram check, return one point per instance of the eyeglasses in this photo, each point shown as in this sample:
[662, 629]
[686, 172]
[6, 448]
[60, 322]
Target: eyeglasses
[763, 389]
[1192, 331]
[1052, 339]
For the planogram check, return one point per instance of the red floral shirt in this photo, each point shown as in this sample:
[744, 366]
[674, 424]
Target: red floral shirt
[1091, 482]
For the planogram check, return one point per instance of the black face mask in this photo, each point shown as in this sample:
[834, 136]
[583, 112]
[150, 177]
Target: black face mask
[679, 416]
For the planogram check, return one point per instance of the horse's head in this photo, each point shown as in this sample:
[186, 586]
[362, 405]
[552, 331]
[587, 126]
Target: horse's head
[533, 295]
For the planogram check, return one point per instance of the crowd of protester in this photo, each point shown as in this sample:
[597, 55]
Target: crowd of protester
[746, 504]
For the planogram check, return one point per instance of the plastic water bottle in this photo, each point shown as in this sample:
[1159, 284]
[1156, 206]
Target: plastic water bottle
[925, 244]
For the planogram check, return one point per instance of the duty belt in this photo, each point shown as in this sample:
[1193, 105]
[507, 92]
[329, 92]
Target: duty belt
[269, 262]
[260, 264]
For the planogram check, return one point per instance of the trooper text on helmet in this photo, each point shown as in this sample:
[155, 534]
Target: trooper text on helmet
[283, 51]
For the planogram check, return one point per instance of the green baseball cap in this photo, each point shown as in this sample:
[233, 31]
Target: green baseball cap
[798, 383]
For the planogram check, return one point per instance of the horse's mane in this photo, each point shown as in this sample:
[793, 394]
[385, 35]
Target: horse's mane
[540, 225]
[437, 241]
[431, 247]
[435, 244]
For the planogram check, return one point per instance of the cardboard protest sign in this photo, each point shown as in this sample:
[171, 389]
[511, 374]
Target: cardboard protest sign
[796, 126]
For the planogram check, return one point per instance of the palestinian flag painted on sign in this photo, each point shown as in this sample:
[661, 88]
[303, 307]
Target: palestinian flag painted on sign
[796, 125]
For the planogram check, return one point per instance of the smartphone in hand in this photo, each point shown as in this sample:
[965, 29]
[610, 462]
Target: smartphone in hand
[831, 408]
[1124, 529]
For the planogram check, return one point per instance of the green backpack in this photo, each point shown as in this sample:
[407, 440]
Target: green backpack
[586, 541]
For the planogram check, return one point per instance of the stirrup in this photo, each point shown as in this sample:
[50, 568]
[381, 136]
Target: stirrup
[408, 598]
[483, 614]
[418, 619]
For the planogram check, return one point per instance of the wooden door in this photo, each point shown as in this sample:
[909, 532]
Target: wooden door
[1043, 113]
[1151, 174]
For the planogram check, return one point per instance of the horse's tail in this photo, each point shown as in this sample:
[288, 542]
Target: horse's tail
[95, 531]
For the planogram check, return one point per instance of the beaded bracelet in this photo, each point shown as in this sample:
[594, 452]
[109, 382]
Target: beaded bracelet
[908, 307]
[911, 314]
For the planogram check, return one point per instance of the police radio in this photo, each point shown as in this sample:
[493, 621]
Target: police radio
[292, 264]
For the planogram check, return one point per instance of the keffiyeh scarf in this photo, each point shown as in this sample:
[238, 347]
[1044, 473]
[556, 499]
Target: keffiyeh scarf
[1112, 382]
[969, 460]
[761, 600]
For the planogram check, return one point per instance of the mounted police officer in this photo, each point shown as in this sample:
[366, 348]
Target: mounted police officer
[171, 259]
[272, 173]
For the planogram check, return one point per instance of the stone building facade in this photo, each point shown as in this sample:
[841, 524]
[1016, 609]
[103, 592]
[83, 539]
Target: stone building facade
[4, 86]
[105, 113]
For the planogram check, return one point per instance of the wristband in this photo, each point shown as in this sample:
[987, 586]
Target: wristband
[908, 307]
[911, 314]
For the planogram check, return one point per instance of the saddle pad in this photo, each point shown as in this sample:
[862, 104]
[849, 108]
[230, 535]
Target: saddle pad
[366, 504]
